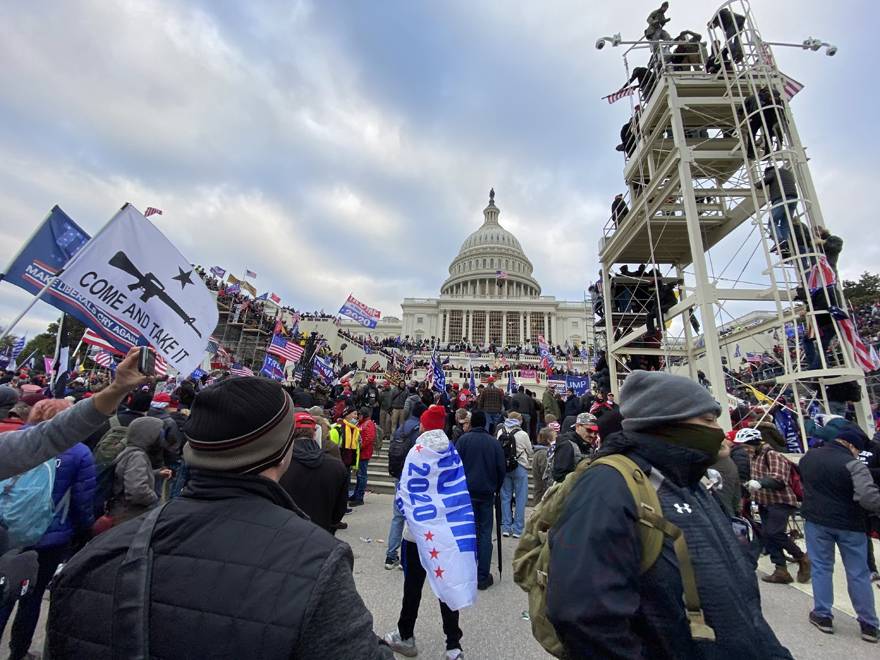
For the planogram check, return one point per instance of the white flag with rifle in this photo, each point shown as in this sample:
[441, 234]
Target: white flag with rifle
[130, 282]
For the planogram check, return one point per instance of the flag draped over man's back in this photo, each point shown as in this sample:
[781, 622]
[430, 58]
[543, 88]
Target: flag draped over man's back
[434, 499]
[132, 286]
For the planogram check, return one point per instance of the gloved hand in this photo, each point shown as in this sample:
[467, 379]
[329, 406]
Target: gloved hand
[18, 571]
[753, 485]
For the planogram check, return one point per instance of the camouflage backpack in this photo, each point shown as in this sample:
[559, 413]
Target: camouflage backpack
[531, 561]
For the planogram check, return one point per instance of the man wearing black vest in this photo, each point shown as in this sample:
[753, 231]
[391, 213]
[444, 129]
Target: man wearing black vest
[230, 569]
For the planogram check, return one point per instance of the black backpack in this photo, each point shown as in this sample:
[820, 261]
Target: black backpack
[399, 448]
[508, 445]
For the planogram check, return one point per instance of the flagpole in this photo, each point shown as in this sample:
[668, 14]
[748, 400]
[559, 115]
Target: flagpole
[51, 281]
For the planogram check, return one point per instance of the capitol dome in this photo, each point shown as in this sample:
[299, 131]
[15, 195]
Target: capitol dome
[491, 259]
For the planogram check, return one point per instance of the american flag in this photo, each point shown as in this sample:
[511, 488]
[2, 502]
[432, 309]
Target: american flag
[501, 274]
[238, 370]
[105, 359]
[92, 338]
[821, 276]
[620, 94]
[216, 271]
[285, 349]
[275, 298]
[790, 86]
[860, 351]
[250, 273]
[151, 210]
[161, 366]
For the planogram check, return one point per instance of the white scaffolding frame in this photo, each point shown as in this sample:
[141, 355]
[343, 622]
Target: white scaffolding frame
[694, 167]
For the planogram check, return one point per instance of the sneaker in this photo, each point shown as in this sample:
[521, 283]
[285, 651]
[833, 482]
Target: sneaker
[349, 510]
[341, 525]
[405, 647]
[505, 534]
[875, 577]
[482, 586]
[870, 633]
[516, 536]
[454, 654]
[823, 623]
[355, 503]
[391, 563]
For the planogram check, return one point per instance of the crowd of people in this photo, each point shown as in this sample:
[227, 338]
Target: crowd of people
[210, 474]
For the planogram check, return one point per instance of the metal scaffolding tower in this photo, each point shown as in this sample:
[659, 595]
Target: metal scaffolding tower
[715, 171]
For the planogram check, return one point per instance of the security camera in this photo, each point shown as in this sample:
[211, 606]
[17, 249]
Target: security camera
[600, 43]
[831, 51]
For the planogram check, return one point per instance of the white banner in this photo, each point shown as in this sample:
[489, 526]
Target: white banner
[434, 498]
[137, 287]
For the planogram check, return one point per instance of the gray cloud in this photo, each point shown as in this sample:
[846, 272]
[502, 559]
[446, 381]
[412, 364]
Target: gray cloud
[336, 147]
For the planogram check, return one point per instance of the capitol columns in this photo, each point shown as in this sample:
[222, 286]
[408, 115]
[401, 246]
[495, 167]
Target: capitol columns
[522, 337]
[504, 328]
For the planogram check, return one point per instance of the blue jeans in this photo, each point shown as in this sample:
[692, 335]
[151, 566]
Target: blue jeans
[361, 484]
[780, 221]
[491, 420]
[515, 483]
[854, 552]
[484, 517]
[395, 532]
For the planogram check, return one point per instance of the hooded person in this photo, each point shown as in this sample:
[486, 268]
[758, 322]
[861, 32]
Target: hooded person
[235, 562]
[8, 398]
[322, 431]
[671, 434]
[317, 482]
[134, 480]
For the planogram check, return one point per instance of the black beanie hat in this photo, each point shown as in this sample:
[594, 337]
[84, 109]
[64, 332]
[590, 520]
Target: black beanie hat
[241, 425]
[478, 419]
[418, 409]
[140, 401]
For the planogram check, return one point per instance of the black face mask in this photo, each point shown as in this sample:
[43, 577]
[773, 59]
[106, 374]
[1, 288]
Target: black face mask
[705, 439]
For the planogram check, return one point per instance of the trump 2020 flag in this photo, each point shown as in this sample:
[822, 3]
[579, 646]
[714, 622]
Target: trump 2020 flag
[358, 311]
[272, 368]
[53, 244]
[135, 288]
[433, 496]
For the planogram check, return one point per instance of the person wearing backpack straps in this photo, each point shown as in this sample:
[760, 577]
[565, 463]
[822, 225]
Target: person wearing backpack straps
[518, 461]
[72, 495]
[770, 486]
[601, 601]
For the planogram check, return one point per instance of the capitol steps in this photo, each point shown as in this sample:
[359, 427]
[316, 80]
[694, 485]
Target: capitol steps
[379, 481]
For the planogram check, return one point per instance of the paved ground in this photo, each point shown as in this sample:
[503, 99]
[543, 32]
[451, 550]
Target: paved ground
[495, 627]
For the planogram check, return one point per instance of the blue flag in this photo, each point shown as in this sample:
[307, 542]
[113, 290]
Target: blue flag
[265, 296]
[511, 383]
[272, 368]
[322, 368]
[54, 243]
[439, 376]
[580, 384]
[18, 346]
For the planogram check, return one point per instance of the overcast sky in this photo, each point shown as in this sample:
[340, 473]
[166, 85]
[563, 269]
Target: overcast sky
[337, 147]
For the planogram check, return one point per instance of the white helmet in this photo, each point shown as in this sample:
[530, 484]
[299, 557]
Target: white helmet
[747, 435]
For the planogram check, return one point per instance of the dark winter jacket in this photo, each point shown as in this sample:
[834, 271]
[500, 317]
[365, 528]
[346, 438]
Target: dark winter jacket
[740, 455]
[74, 472]
[838, 488]
[566, 456]
[573, 406]
[602, 607]
[318, 484]
[483, 461]
[491, 400]
[238, 572]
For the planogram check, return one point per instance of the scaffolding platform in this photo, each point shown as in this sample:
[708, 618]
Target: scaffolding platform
[711, 149]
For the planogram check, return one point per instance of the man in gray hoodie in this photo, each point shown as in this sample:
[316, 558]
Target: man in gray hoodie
[134, 485]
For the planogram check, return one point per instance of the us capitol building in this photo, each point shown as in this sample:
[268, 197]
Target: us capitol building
[478, 306]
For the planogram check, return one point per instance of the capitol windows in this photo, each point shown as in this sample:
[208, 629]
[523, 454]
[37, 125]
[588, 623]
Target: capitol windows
[484, 263]
[513, 328]
[455, 324]
[479, 326]
[537, 325]
[574, 325]
[495, 319]
[420, 319]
